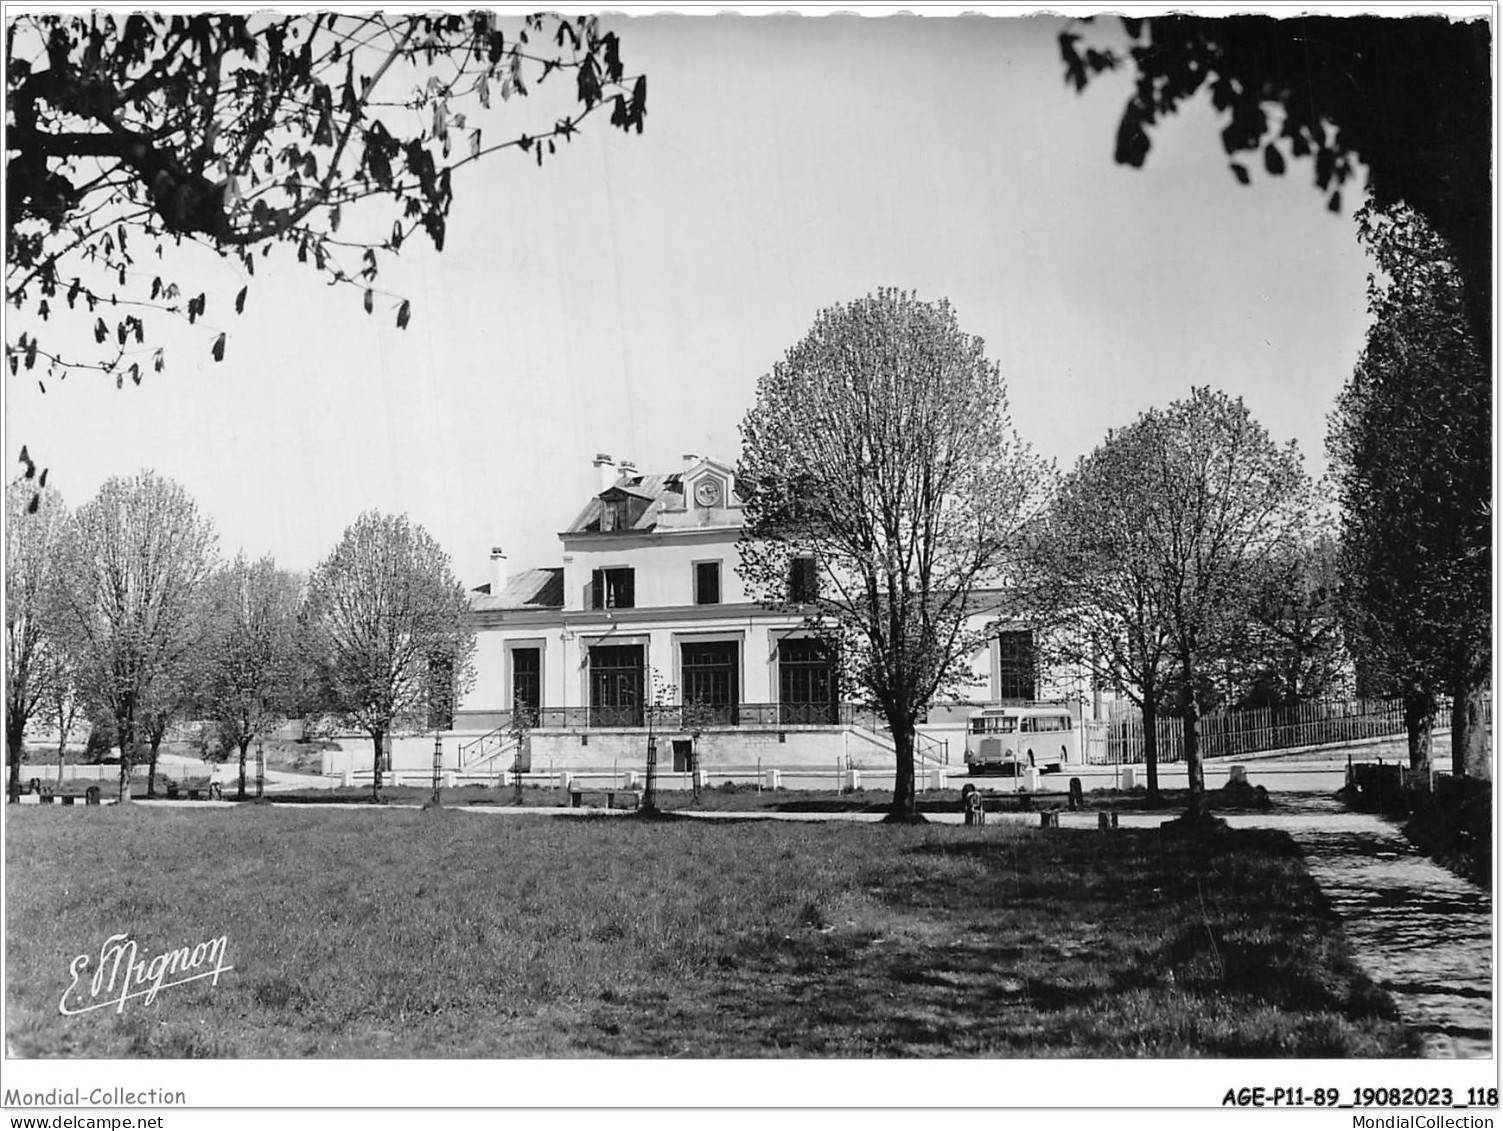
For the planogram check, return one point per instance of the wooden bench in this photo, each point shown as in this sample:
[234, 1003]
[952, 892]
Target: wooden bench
[46, 792]
[630, 798]
[65, 797]
[211, 791]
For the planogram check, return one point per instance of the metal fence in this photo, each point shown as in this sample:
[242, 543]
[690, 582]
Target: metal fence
[1229, 734]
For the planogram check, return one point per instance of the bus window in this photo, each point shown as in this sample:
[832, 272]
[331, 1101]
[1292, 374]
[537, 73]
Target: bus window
[1042, 723]
[993, 724]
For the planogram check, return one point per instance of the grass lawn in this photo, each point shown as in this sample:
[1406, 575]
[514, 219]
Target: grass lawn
[403, 933]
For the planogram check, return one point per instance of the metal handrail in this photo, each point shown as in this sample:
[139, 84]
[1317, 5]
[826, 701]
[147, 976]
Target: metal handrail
[669, 717]
[467, 749]
[943, 745]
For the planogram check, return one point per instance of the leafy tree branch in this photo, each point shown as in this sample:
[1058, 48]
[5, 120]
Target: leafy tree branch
[244, 131]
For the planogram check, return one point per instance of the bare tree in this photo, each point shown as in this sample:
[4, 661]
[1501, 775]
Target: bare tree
[883, 485]
[34, 521]
[1297, 652]
[388, 628]
[64, 702]
[176, 692]
[136, 560]
[252, 664]
[1221, 496]
[1089, 587]
[524, 721]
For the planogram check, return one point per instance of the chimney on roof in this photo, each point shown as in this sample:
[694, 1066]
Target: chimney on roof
[690, 459]
[605, 470]
[498, 571]
[627, 467]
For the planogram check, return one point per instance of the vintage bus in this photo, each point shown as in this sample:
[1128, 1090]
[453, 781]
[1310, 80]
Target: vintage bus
[1010, 739]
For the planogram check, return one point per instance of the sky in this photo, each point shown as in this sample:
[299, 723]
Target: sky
[626, 297]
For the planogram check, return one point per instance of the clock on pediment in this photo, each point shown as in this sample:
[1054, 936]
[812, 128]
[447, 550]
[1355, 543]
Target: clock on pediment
[708, 492]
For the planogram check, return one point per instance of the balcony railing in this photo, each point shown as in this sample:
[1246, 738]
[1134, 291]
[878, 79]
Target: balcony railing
[702, 716]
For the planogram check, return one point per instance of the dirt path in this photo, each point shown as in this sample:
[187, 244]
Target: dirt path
[1421, 932]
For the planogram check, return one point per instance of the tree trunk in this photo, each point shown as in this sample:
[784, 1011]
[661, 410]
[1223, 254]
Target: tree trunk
[1151, 750]
[64, 725]
[127, 738]
[1419, 720]
[378, 737]
[244, 747]
[151, 765]
[1193, 768]
[904, 808]
[14, 743]
[1471, 752]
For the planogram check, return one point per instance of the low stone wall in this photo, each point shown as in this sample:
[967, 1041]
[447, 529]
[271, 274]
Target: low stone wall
[410, 753]
[814, 747]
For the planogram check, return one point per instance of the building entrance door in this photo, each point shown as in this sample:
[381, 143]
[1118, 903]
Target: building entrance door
[616, 685]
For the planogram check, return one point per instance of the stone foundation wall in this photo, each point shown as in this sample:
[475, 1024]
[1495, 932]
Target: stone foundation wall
[815, 747]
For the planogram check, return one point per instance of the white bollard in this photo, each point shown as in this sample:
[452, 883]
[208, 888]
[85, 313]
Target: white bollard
[1238, 776]
[774, 779]
[1129, 777]
[853, 778]
[701, 779]
[631, 779]
[936, 778]
[347, 779]
[448, 779]
[1031, 779]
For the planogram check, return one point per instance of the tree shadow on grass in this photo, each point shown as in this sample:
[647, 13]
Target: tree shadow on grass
[1057, 944]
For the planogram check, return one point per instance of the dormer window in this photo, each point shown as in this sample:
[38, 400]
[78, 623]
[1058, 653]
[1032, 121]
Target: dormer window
[613, 514]
[620, 510]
